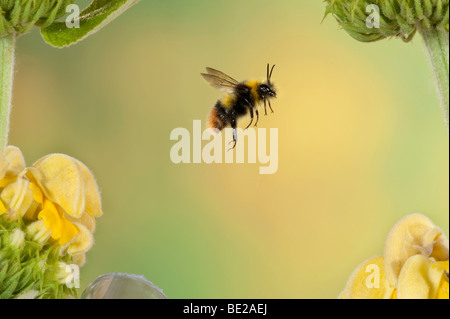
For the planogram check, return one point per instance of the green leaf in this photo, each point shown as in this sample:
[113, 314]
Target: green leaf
[91, 19]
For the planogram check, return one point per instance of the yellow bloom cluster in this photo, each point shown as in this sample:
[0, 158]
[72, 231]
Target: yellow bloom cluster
[415, 265]
[57, 198]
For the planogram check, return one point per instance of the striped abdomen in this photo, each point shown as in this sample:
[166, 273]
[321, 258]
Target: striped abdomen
[218, 117]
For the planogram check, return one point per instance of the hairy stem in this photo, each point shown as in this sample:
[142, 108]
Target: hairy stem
[7, 48]
[436, 43]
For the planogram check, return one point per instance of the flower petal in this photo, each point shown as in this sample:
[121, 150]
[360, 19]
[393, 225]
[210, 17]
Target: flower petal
[420, 278]
[82, 242]
[18, 196]
[51, 218]
[62, 229]
[3, 166]
[62, 182]
[2, 207]
[11, 165]
[69, 183]
[15, 159]
[368, 281]
[443, 289]
[69, 231]
[92, 194]
[86, 220]
[79, 259]
[412, 235]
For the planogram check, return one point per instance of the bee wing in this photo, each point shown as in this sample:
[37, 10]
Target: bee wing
[219, 83]
[220, 80]
[221, 75]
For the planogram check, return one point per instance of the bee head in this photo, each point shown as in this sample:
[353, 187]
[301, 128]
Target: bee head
[267, 90]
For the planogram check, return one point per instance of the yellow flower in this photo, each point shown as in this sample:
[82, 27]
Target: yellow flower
[58, 190]
[12, 164]
[415, 265]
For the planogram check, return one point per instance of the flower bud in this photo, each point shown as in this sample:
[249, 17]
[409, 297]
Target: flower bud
[397, 18]
[17, 238]
[38, 232]
[122, 286]
[18, 16]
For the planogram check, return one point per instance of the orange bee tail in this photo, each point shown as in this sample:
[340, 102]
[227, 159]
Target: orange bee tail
[214, 121]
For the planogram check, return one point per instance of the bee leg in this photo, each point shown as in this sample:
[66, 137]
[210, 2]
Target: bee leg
[265, 109]
[257, 117]
[270, 106]
[233, 125]
[251, 121]
[234, 140]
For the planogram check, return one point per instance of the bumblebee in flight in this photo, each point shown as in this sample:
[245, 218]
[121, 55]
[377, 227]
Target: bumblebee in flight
[241, 98]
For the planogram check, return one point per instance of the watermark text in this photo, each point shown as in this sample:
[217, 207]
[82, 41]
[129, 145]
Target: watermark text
[255, 143]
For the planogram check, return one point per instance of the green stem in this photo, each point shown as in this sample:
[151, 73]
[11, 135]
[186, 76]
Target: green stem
[7, 48]
[436, 42]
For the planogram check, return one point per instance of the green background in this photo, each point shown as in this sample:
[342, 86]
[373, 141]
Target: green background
[362, 143]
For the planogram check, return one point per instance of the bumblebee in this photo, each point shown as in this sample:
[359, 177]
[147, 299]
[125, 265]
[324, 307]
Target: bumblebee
[241, 98]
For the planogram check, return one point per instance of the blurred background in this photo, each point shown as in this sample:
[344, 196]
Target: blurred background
[362, 143]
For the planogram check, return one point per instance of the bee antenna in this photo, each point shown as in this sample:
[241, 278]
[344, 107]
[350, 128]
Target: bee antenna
[268, 78]
[271, 70]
